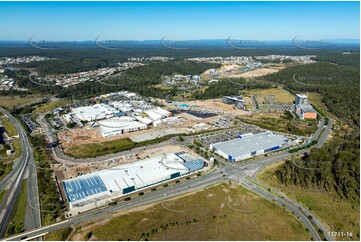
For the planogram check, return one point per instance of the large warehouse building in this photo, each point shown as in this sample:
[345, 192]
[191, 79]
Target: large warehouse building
[121, 180]
[249, 146]
[118, 126]
[94, 112]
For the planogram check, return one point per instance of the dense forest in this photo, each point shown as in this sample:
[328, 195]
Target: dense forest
[338, 84]
[336, 166]
[228, 87]
[139, 79]
[82, 56]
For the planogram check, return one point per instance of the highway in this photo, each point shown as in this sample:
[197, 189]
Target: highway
[33, 212]
[14, 179]
[215, 176]
[243, 173]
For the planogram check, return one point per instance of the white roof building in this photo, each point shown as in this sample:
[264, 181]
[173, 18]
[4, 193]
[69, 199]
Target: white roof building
[118, 126]
[157, 113]
[124, 107]
[249, 145]
[94, 112]
[124, 179]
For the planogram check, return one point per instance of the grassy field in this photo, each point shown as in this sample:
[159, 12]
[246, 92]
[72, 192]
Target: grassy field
[273, 96]
[17, 221]
[59, 235]
[52, 105]
[279, 122]
[220, 212]
[340, 215]
[93, 150]
[10, 102]
[9, 127]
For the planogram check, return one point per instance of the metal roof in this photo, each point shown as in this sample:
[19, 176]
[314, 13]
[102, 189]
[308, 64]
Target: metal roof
[138, 174]
[246, 145]
[306, 108]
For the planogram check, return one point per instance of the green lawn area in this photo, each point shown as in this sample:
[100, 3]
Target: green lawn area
[340, 215]
[279, 122]
[17, 221]
[9, 127]
[220, 212]
[93, 150]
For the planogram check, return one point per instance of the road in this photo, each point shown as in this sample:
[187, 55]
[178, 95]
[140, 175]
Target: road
[319, 129]
[243, 173]
[33, 212]
[61, 157]
[215, 176]
[14, 179]
[325, 133]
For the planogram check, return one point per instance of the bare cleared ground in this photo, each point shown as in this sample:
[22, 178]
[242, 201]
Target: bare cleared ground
[86, 135]
[255, 73]
[234, 71]
[216, 105]
[71, 170]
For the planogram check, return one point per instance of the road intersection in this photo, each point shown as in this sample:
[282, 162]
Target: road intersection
[242, 173]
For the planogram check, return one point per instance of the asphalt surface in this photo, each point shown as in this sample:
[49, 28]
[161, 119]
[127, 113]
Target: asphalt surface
[60, 156]
[33, 212]
[325, 133]
[15, 178]
[243, 173]
[217, 175]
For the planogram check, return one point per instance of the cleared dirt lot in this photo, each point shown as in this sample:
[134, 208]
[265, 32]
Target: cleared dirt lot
[255, 73]
[216, 105]
[67, 171]
[86, 135]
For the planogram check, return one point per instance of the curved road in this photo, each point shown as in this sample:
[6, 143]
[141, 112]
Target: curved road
[241, 172]
[15, 178]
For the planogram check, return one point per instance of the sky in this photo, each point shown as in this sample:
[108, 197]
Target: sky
[68, 21]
